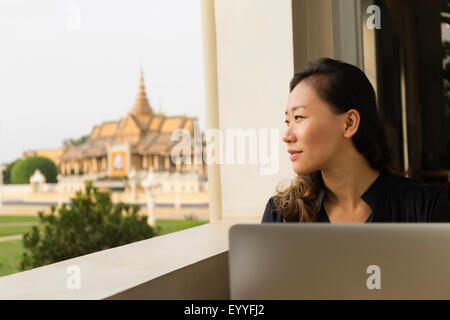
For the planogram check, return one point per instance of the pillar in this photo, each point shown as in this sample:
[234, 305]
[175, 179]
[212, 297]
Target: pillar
[211, 100]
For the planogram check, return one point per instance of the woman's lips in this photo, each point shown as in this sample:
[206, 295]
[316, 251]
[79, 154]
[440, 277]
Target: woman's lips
[294, 155]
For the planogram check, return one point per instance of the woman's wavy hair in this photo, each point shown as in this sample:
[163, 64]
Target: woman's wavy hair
[343, 86]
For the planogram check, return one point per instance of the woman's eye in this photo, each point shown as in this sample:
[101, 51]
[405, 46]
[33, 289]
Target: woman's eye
[296, 118]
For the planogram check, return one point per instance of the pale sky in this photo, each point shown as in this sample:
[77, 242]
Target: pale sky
[60, 77]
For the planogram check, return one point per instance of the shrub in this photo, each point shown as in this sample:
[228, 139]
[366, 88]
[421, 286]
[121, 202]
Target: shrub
[88, 224]
[76, 142]
[25, 168]
[7, 172]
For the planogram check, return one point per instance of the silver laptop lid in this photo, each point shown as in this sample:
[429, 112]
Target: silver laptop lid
[340, 261]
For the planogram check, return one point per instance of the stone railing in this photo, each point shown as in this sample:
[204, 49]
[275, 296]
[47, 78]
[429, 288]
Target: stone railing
[188, 264]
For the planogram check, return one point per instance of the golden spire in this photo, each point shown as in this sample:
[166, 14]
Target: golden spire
[141, 107]
[159, 109]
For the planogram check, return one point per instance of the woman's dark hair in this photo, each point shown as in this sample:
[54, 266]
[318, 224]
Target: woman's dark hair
[344, 87]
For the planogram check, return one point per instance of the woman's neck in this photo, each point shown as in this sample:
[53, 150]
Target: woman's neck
[345, 185]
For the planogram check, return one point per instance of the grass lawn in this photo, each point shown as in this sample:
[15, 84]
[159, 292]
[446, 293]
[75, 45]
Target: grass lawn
[10, 256]
[12, 229]
[11, 225]
[168, 226]
[18, 219]
[11, 251]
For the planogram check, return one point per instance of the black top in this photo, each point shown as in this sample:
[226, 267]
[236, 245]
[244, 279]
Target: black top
[392, 199]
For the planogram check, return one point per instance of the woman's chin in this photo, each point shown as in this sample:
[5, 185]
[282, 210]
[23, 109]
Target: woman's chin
[301, 170]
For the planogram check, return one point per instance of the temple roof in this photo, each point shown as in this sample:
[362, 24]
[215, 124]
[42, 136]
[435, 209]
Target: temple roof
[146, 132]
[90, 149]
[152, 139]
[141, 107]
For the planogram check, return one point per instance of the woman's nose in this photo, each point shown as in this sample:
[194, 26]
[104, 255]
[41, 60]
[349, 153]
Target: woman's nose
[288, 137]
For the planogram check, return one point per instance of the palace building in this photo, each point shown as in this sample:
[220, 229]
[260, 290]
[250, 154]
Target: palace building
[120, 155]
[140, 141]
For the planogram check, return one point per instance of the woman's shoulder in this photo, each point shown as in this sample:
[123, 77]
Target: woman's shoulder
[412, 187]
[398, 182]
[427, 200]
[271, 214]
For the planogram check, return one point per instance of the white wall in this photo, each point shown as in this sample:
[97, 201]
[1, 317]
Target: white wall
[255, 65]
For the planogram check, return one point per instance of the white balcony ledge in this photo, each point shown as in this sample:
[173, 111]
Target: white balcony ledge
[188, 264]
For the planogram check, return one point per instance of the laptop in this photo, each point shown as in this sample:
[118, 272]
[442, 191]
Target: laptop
[292, 261]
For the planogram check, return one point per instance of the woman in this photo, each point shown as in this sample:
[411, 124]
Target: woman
[340, 154]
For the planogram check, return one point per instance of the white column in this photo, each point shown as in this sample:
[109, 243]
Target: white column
[166, 163]
[156, 162]
[144, 162]
[104, 164]
[237, 71]
[211, 101]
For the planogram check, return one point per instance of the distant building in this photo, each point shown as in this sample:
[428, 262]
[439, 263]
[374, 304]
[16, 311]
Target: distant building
[140, 141]
[52, 154]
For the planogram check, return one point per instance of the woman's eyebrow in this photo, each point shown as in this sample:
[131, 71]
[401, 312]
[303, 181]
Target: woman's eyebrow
[295, 108]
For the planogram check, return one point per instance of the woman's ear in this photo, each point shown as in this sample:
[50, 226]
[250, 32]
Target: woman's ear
[351, 122]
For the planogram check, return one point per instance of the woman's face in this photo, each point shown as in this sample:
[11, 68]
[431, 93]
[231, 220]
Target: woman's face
[313, 129]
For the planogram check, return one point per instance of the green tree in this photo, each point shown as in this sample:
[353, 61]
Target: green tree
[24, 169]
[7, 172]
[75, 142]
[90, 223]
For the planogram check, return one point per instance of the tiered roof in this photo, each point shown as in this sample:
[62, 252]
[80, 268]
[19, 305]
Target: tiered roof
[146, 131]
